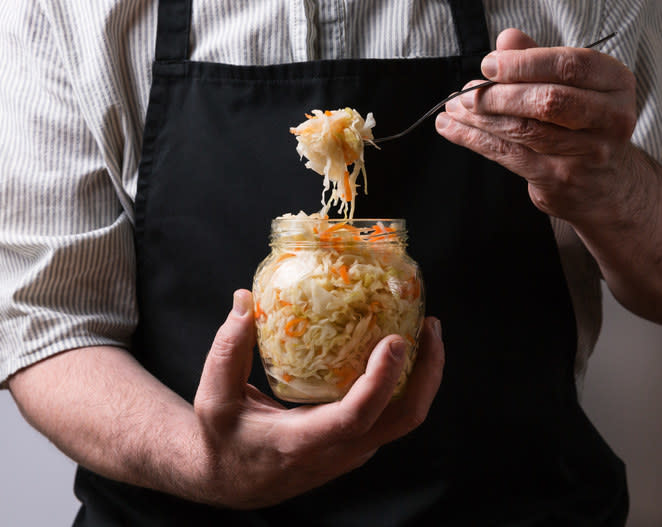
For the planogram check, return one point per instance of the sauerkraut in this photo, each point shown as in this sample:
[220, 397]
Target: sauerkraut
[326, 295]
[332, 141]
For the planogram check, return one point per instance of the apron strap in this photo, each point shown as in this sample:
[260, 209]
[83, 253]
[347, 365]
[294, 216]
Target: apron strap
[172, 33]
[470, 26]
[174, 22]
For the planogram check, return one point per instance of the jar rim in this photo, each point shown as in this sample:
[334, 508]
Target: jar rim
[400, 222]
[315, 231]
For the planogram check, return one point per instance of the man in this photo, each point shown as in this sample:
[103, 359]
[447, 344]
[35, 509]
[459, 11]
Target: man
[504, 439]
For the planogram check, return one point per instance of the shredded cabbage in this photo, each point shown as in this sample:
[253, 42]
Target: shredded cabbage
[325, 296]
[332, 141]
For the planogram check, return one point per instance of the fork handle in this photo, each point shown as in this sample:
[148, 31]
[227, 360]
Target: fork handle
[431, 111]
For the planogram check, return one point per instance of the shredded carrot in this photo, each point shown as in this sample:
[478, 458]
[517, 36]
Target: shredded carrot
[284, 304]
[338, 245]
[258, 311]
[284, 256]
[308, 116]
[375, 306]
[345, 375]
[328, 113]
[410, 338]
[325, 235]
[296, 327]
[376, 234]
[348, 188]
[344, 274]
[287, 377]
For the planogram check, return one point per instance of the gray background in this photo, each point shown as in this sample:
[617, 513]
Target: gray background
[622, 396]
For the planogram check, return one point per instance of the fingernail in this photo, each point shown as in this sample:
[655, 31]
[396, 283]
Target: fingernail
[436, 327]
[453, 105]
[489, 66]
[467, 100]
[397, 349]
[240, 304]
[442, 121]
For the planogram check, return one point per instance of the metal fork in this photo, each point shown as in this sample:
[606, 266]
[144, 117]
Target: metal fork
[438, 106]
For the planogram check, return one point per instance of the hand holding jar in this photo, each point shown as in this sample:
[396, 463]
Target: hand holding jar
[278, 453]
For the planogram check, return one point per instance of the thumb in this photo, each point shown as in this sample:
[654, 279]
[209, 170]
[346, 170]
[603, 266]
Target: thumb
[514, 39]
[228, 363]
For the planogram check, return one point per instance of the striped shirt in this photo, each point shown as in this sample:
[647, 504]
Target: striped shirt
[73, 96]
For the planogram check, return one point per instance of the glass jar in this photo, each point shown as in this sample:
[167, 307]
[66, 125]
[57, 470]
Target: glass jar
[327, 293]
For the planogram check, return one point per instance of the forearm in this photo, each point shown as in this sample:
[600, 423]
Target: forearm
[235, 447]
[624, 234]
[563, 118]
[102, 409]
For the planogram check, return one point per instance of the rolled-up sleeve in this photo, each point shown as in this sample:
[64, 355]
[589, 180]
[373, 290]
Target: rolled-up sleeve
[67, 265]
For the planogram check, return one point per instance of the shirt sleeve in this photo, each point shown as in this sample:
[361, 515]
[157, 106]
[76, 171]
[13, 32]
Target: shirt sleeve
[67, 264]
[638, 45]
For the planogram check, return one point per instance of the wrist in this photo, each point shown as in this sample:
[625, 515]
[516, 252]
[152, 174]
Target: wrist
[623, 231]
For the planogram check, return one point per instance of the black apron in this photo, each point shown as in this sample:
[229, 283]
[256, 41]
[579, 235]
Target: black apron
[505, 442]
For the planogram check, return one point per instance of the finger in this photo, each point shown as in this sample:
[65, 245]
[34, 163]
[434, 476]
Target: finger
[373, 390]
[556, 185]
[352, 416]
[565, 106]
[407, 413]
[514, 39]
[579, 67]
[229, 360]
[515, 157]
[542, 138]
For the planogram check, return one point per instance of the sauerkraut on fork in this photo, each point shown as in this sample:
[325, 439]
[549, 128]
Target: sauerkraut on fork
[333, 142]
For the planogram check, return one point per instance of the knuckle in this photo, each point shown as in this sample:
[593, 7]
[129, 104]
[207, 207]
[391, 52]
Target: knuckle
[352, 425]
[295, 447]
[602, 153]
[624, 122]
[224, 345]
[289, 450]
[503, 148]
[204, 408]
[627, 81]
[540, 199]
[361, 460]
[564, 176]
[572, 68]
[411, 416]
[211, 409]
[415, 417]
[550, 103]
[525, 130]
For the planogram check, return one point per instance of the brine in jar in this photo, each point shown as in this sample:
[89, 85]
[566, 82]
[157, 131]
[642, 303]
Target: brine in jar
[327, 293]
